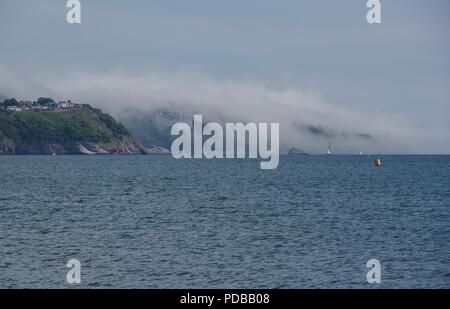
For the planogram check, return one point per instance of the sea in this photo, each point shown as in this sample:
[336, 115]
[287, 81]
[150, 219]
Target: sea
[148, 221]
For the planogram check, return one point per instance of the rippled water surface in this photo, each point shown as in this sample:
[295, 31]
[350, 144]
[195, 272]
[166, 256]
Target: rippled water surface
[157, 222]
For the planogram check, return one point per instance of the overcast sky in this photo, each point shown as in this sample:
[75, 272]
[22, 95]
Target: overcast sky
[396, 72]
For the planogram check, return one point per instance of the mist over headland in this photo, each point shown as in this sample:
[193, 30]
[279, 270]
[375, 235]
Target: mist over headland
[306, 120]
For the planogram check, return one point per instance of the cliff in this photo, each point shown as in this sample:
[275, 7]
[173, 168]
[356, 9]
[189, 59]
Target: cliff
[81, 130]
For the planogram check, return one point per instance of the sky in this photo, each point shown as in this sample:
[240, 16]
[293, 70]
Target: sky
[315, 66]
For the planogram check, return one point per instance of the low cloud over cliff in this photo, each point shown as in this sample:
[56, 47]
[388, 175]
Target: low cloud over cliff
[306, 121]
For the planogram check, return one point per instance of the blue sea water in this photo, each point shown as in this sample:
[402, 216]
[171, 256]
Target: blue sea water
[157, 222]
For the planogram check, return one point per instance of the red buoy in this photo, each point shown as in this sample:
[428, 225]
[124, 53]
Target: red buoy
[377, 162]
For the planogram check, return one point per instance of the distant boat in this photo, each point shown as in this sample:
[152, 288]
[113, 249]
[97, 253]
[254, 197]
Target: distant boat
[53, 154]
[360, 152]
[329, 150]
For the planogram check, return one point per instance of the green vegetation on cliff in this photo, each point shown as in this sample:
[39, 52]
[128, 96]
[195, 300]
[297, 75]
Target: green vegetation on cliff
[62, 131]
[83, 124]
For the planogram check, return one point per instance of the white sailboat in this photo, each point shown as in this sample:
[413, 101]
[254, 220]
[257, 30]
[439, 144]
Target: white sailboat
[360, 152]
[329, 150]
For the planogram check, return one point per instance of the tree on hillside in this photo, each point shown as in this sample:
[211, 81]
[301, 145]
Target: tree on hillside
[44, 101]
[10, 102]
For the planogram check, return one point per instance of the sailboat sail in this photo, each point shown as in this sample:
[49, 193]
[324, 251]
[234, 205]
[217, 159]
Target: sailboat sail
[329, 149]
